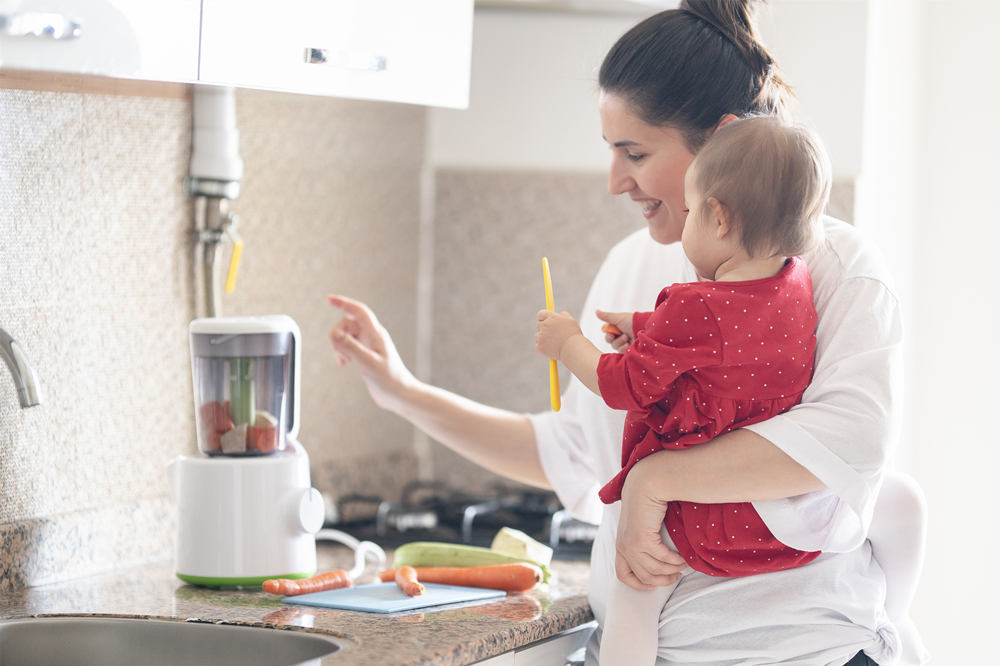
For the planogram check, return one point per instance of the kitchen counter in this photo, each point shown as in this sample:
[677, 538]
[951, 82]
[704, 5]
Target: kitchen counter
[448, 635]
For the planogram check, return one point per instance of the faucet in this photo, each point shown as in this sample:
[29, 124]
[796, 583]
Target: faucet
[22, 372]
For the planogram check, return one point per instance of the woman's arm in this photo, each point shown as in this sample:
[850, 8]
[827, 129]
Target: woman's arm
[739, 466]
[497, 439]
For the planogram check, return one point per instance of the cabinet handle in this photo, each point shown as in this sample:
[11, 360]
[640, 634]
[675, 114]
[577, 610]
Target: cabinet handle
[369, 62]
[39, 24]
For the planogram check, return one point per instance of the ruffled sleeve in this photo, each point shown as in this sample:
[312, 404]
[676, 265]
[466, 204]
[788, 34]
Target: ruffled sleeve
[679, 336]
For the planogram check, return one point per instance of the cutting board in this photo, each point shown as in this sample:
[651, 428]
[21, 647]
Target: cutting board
[388, 598]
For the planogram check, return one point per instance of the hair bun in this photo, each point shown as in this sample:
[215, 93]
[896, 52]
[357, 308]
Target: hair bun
[736, 21]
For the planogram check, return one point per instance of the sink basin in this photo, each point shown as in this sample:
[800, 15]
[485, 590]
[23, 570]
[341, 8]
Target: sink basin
[104, 641]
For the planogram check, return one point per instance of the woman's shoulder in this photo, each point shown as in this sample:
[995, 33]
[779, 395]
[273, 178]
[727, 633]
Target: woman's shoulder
[846, 252]
[633, 273]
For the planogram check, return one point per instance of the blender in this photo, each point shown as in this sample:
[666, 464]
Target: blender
[246, 508]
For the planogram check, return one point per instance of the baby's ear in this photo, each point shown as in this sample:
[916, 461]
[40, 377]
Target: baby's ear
[720, 216]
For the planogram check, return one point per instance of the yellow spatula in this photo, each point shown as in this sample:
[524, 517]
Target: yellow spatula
[550, 304]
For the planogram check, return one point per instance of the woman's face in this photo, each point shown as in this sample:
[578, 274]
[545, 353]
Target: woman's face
[648, 163]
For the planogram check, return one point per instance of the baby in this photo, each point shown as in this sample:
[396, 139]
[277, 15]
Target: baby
[732, 349]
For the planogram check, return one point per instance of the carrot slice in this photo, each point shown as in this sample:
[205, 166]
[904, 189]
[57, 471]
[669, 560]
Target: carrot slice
[611, 329]
[406, 579]
[325, 581]
[513, 577]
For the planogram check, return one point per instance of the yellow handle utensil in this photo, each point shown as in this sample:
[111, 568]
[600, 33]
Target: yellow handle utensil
[550, 304]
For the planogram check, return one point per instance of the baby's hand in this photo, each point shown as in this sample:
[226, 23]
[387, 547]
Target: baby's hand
[617, 328]
[553, 331]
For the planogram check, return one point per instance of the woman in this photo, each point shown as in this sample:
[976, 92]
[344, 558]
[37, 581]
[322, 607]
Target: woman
[812, 473]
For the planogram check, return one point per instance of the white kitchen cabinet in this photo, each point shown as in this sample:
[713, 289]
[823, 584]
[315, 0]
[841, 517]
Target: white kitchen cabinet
[553, 651]
[135, 39]
[392, 50]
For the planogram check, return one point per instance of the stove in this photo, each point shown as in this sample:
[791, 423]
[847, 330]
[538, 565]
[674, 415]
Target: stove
[435, 511]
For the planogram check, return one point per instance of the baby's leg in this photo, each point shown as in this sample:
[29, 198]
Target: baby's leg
[898, 534]
[631, 632]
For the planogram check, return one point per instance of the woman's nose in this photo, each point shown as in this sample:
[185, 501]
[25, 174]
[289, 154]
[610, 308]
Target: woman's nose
[619, 181]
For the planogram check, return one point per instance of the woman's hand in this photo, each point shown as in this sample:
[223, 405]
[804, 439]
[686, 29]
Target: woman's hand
[553, 331]
[623, 322]
[642, 561]
[359, 337]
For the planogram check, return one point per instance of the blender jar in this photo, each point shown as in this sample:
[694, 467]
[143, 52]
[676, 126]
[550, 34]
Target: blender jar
[243, 384]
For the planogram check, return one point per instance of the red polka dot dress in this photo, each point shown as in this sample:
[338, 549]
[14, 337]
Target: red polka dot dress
[712, 357]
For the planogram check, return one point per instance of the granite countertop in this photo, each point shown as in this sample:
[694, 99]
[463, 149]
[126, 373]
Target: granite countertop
[462, 634]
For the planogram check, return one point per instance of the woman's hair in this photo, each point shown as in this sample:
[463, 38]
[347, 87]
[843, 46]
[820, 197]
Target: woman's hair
[774, 180]
[688, 67]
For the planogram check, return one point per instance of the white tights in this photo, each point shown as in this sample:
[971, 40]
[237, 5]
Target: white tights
[897, 535]
[631, 631]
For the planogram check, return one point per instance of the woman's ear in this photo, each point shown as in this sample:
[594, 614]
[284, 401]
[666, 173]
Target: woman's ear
[720, 217]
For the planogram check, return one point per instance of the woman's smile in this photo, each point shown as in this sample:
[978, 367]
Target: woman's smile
[648, 163]
[649, 206]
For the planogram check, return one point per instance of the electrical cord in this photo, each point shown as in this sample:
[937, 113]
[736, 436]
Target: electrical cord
[363, 550]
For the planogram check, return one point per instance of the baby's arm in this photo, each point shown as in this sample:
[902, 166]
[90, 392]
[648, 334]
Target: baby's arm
[558, 336]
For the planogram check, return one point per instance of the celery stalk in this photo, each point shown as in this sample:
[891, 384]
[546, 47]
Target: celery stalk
[241, 391]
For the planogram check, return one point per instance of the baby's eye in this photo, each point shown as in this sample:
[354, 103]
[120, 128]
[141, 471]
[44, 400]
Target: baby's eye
[685, 210]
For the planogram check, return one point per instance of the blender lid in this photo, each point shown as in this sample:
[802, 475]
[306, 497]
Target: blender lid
[255, 329]
[243, 325]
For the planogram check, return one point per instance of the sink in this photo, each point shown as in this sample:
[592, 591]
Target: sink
[106, 641]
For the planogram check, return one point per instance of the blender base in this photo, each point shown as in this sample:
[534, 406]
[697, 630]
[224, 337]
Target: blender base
[249, 582]
[242, 521]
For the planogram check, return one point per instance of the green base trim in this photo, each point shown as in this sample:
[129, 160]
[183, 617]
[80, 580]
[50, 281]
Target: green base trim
[251, 581]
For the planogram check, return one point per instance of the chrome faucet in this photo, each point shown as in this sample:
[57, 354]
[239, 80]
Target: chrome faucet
[22, 372]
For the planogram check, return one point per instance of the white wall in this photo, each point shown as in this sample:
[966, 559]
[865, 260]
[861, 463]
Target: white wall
[533, 99]
[927, 191]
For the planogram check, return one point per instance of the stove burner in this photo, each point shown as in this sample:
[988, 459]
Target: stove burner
[433, 511]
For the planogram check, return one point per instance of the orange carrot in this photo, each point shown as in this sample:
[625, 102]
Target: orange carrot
[611, 329]
[324, 581]
[513, 577]
[406, 578]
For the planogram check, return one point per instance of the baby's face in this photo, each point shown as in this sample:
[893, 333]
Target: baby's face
[699, 237]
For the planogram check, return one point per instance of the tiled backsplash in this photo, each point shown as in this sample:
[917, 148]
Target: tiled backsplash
[97, 283]
[491, 231]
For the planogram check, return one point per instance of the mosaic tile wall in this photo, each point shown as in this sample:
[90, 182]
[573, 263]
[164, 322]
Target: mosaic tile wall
[96, 282]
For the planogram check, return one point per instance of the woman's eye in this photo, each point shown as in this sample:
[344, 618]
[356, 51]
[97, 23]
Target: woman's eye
[634, 157]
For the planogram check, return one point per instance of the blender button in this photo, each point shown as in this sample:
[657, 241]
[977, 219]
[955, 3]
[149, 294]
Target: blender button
[312, 510]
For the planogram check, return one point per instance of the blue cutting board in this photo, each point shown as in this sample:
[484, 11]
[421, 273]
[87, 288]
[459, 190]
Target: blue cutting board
[388, 598]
